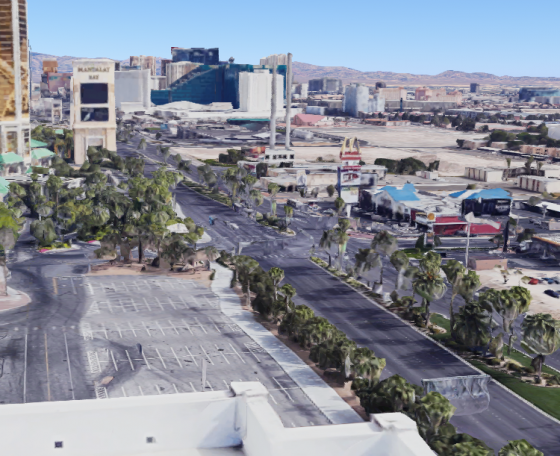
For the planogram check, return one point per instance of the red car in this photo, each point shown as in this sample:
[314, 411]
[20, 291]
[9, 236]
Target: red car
[533, 281]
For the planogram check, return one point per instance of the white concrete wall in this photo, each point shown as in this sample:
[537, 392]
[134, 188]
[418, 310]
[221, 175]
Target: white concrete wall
[376, 104]
[255, 91]
[133, 87]
[356, 99]
[182, 422]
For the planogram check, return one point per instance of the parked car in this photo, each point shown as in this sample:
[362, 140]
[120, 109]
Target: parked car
[556, 280]
[533, 281]
[547, 280]
[552, 293]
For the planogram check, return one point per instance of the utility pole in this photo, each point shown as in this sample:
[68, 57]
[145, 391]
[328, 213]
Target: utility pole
[288, 101]
[272, 142]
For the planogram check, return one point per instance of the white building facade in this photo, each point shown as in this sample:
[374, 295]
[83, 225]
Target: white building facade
[133, 90]
[93, 115]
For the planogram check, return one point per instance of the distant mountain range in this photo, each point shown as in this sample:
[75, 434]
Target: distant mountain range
[303, 72]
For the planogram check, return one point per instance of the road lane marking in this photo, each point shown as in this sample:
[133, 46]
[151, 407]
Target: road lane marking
[176, 390]
[222, 353]
[283, 389]
[47, 364]
[73, 287]
[69, 369]
[55, 285]
[240, 357]
[25, 372]
[206, 354]
[147, 364]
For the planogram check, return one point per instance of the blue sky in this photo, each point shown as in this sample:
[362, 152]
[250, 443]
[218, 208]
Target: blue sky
[493, 36]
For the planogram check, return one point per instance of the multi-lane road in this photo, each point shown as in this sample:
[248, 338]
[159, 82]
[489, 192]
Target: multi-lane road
[408, 353]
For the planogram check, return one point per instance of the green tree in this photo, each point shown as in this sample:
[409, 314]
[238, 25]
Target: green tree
[454, 271]
[326, 243]
[339, 205]
[519, 448]
[385, 244]
[366, 260]
[273, 189]
[428, 282]
[400, 262]
[472, 325]
[434, 411]
[245, 267]
[44, 231]
[540, 337]
[330, 190]
[277, 275]
[366, 365]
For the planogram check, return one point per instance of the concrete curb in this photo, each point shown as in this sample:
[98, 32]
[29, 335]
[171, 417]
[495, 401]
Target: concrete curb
[335, 409]
[451, 352]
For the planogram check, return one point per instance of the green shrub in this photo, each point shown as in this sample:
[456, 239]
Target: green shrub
[495, 361]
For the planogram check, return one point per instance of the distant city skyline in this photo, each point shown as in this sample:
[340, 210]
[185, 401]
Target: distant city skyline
[407, 37]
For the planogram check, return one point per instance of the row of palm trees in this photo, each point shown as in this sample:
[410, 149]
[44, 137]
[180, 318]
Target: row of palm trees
[331, 350]
[471, 326]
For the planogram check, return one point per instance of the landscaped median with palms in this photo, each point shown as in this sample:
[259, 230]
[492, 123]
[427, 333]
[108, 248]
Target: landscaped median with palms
[332, 351]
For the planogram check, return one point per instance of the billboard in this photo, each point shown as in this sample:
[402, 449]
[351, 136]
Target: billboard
[347, 178]
[350, 195]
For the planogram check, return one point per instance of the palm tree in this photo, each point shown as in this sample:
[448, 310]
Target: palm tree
[277, 275]
[326, 243]
[519, 448]
[245, 267]
[509, 304]
[142, 144]
[341, 239]
[454, 271]
[472, 325]
[59, 145]
[367, 260]
[294, 321]
[339, 205]
[314, 331]
[166, 152]
[428, 283]
[365, 364]
[384, 244]
[273, 189]
[540, 337]
[508, 161]
[288, 292]
[256, 198]
[434, 412]
[400, 261]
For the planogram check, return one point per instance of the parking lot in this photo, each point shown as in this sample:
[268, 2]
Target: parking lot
[158, 336]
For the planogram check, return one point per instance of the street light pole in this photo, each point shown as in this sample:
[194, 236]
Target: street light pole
[468, 242]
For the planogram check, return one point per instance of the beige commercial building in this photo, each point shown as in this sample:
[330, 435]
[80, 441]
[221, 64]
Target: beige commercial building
[484, 174]
[93, 116]
[539, 184]
[15, 151]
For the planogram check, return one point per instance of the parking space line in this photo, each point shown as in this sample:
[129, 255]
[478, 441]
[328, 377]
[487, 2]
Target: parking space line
[114, 362]
[226, 383]
[177, 358]
[187, 326]
[217, 329]
[147, 305]
[129, 360]
[240, 357]
[160, 328]
[184, 303]
[209, 385]
[157, 388]
[123, 391]
[132, 329]
[160, 304]
[105, 332]
[192, 356]
[109, 305]
[119, 330]
[172, 305]
[175, 388]
[194, 389]
[173, 327]
[161, 359]
[222, 353]
[134, 305]
[283, 389]
[147, 330]
[147, 363]
[68, 361]
[199, 324]
[206, 354]
[140, 388]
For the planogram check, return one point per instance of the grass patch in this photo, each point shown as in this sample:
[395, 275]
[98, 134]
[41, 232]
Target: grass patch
[441, 321]
[414, 253]
[220, 197]
[525, 361]
[547, 399]
[213, 162]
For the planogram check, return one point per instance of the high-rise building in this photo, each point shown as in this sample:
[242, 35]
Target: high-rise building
[14, 87]
[163, 70]
[92, 113]
[196, 55]
[144, 62]
[475, 87]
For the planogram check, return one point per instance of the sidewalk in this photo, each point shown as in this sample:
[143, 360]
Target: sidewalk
[323, 396]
